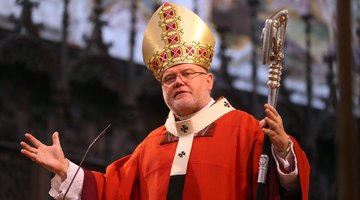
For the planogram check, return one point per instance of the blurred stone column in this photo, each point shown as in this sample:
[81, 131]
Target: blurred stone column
[253, 4]
[348, 149]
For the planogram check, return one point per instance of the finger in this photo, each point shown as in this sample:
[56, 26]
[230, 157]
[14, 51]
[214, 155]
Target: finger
[274, 116]
[55, 139]
[31, 155]
[270, 114]
[262, 123]
[271, 123]
[27, 147]
[269, 132]
[271, 108]
[33, 140]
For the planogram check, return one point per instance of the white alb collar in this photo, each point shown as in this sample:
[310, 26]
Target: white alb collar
[199, 120]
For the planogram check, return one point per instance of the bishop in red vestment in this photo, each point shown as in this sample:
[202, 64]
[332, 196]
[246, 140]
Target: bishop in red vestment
[205, 149]
[223, 164]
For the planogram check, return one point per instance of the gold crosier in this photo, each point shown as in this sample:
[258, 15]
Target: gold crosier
[272, 45]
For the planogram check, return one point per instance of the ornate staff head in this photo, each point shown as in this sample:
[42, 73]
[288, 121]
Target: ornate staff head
[273, 39]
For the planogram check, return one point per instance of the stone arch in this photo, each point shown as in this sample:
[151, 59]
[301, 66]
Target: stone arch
[27, 69]
[96, 89]
[20, 49]
[150, 100]
[102, 68]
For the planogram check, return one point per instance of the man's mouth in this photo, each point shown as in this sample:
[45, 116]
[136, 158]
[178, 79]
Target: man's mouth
[179, 93]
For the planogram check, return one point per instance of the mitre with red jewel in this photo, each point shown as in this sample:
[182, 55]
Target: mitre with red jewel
[175, 35]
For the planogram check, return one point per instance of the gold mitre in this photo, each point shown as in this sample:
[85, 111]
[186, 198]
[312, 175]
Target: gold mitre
[176, 35]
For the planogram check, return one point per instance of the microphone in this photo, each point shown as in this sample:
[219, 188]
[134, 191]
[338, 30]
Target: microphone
[83, 158]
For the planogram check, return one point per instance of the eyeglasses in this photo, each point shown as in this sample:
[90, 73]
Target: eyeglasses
[184, 76]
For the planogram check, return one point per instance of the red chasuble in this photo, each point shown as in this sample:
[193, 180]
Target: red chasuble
[223, 164]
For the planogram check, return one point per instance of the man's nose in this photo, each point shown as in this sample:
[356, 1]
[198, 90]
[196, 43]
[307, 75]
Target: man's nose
[179, 79]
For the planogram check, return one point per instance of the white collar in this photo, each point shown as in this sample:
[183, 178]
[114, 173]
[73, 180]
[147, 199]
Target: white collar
[198, 121]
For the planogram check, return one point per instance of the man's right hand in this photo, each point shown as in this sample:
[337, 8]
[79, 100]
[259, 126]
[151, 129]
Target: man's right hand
[50, 157]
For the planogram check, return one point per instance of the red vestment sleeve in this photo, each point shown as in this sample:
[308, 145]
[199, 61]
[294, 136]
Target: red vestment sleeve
[304, 169]
[119, 182]
[89, 191]
[273, 189]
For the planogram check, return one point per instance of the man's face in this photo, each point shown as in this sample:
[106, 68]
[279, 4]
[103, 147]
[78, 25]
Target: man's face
[186, 88]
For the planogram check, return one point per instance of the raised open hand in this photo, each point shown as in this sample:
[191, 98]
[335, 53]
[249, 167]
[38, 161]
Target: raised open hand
[50, 157]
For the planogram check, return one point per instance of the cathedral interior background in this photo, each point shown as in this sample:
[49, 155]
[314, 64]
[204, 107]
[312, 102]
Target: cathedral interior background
[76, 66]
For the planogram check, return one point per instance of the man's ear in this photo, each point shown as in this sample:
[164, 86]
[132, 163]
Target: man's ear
[210, 80]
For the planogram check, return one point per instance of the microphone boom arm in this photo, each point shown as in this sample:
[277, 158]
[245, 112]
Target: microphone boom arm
[83, 158]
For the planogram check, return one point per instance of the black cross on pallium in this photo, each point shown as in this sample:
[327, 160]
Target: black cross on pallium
[184, 128]
[227, 104]
[181, 154]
